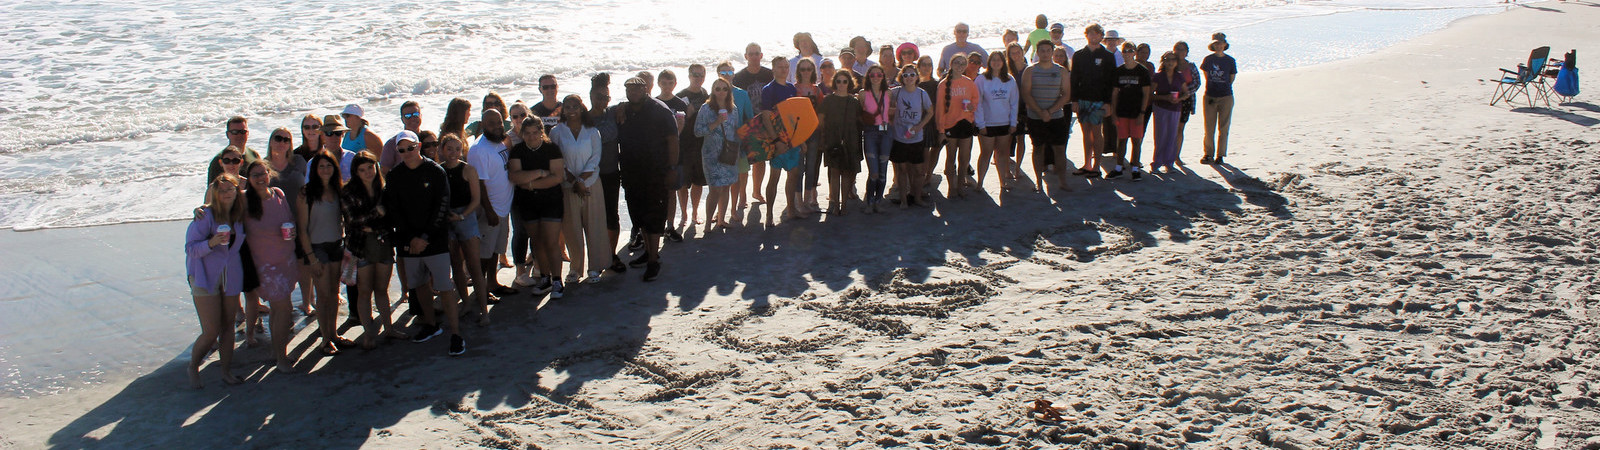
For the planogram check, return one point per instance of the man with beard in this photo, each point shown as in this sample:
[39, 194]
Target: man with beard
[488, 157]
[647, 134]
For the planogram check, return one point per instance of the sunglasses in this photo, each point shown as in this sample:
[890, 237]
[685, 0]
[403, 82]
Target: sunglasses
[726, 73]
[310, 126]
[405, 148]
[908, 75]
[333, 133]
[428, 145]
[518, 116]
[547, 87]
[282, 138]
[411, 115]
[231, 160]
[238, 132]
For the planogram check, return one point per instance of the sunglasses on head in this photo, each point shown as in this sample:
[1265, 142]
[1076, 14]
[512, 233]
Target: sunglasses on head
[282, 138]
[238, 132]
[333, 133]
[411, 115]
[231, 160]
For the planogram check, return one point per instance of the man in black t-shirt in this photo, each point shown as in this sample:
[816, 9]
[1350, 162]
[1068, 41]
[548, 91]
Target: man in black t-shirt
[418, 204]
[548, 110]
[647, 134]
[1130, 100]
[1093, 76]
[752, 78]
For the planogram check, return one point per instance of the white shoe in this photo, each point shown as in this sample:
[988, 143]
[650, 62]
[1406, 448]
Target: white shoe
[524, 280]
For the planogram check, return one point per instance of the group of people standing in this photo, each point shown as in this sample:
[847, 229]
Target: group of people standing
[545, 180]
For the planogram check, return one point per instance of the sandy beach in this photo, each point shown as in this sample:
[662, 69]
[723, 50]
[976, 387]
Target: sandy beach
[1388, 262]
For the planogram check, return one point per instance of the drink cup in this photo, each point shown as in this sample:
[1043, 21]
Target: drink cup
[966, 105]
[288, 231]
[226, 232]
[723, 113]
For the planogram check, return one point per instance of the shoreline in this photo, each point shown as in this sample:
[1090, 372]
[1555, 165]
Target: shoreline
[1173, 310]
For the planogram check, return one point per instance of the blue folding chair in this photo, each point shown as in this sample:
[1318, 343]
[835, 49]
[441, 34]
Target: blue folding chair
[1516, 82]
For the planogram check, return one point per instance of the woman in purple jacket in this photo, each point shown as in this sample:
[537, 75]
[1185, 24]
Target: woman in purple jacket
[215, 272]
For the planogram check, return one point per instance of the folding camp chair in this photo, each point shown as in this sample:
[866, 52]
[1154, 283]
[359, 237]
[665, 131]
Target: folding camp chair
[1516, 82]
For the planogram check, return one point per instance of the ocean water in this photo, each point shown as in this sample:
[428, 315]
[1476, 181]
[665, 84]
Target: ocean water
[110, 110]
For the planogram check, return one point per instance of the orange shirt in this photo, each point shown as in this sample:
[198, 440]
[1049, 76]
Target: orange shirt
[962, 104]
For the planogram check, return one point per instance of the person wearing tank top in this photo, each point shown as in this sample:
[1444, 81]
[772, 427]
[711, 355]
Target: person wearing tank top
[321, 232]
[1046, 88]
[876, 139]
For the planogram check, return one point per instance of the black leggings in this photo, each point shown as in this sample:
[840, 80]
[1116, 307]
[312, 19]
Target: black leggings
[611, 183]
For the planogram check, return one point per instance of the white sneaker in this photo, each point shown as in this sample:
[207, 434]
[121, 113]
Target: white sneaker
[524, 280]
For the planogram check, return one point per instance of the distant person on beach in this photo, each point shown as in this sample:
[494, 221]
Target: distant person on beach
[774, 92]
[1046, 89]
[1191, 86]
[1129, 101]
[1093, 75]
[877, 139]
[488, 156]
[321, 239]
[536, 167]
[1168, 94]
[549, 107]
[996, 117]
[604, 117]
[647, 137]
[270, 229]
[366, 232]
[960, 47]
[212, 262]
[912, 110]
[957, 101]
[745, 108]
[1220, 70]
[466, 204]
[717, 124]
[1040, 33]
[583, 219]
[839, 116]
[411, 119]
[752, 78]
[419, 211]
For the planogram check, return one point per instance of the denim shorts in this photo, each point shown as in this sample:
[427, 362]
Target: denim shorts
[465, 229]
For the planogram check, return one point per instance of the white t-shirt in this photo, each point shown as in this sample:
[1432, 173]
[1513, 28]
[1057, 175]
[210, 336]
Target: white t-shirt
[489, 159]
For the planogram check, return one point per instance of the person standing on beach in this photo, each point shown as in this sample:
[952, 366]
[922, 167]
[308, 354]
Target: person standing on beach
[310, 136]
[583, 218]
[1058, 32]
[996, 117]
[839, 116]
[1039, 34]
[321, 239]
[289, 176]
[419, 211]
[1046, 89]
[959, 47]
[861, 49]
[717, 124]
[1220, 70]
[333, 132]
[1093, 76]
[411, 119]
[957, 101]
[774, 92]
[1017, 62]
[690, 168]
[805, 48]
[488, 156]
[1129, 100]
[456, 114]
[231, 160]
[548, 110]
[647, 137]
[751, 79]
[360, 137]
[877, 140]
[493, 101]
[366, 231]
[212, 263]
[745, 109]
[466, 200]
[268, 227]
[667, 80]
[933, 136]
[604, 117]
[803, 179]
[912, 110]
[1191, 86]
[535, 166]
[1168, 94]
[238, 129]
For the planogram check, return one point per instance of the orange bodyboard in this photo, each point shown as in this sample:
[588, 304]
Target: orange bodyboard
[799, 119]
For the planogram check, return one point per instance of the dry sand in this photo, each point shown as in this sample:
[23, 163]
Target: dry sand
[1389, 263]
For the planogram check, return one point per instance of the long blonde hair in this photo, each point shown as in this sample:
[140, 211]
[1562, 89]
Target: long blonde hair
[226, 213]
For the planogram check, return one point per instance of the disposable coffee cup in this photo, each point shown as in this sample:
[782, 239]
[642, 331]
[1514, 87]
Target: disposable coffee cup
[723, 113]
[226, 232]
[288, 231]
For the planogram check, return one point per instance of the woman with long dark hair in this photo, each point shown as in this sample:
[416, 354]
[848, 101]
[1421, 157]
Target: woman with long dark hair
[718, 122]
[536, 168]
[212, 262]
[321, 239]
[366, 233]
[876, 138]
[270, 230]
[840, 118]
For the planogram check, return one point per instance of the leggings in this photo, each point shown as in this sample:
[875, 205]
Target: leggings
[877, 149]
[519, 236]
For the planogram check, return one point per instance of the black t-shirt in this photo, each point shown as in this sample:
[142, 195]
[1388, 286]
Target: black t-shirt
[642, 140]
[676, 104]
[1093, 74]
[695, 99]
[1130, 96]
[546, 114]
[418, 203]
[753, 82]
[931, 130]
[537, 159]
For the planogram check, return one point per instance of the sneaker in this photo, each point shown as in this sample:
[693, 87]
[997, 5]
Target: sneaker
[425, 332]
[651, 271]
[557, 290]
[640, 261]
[1205, 160]
[617, 265]
[637, 243]
[674, 236]
[525, 280]
[544, 285]
[503, 291]
[1114, 174]
[594, 277]
[457, 345]
[1092, 174]
[571, 279]
[1135, 176]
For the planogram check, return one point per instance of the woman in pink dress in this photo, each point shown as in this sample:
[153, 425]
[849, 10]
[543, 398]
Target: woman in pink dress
[270, 230]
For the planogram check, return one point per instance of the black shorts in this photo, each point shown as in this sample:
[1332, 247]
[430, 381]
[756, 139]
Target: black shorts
[611, 184]
[908, 153]
[647, 204]
[961, 130]
[544, 205]
[996, 131]
[252, 280]
[1048, 132]
[1022, 126]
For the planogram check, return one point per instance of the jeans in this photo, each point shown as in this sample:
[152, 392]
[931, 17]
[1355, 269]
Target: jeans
[877, 144]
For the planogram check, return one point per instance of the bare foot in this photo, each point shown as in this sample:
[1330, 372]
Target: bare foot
[230, 379]
[194, 377]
